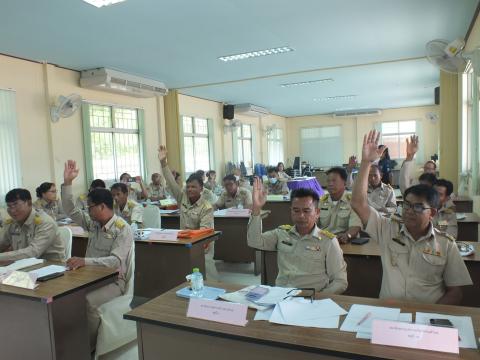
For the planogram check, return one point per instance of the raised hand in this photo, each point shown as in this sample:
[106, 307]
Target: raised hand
[352, 163]
[162, 154]
[259, 196]
[70, 172]
[412, 147]
[370, 149]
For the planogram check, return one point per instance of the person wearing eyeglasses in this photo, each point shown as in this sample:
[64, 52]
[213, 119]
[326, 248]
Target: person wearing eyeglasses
[48, 201]
[308, 257]
[29, 232]
[82, 202]
[110, 241]
[419, 262]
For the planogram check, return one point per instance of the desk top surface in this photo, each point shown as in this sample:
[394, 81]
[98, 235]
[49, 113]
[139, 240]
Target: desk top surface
[71, 281]
[264, 214]
[170, 311]
[191, 241]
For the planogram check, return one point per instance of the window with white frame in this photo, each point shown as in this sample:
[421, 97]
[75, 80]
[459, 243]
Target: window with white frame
[275, 146]
[467, 106]
[244, 145]
[10, 176]
[196, 144]
[114, 135]
[322, 146]
[394, 135]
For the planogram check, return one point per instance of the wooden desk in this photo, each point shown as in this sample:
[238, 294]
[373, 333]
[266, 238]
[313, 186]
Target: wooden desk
[50, 322]
[160, 266]
[463, 204]
[468, 227]
[165, 332]
[279, 214]
[364, 271]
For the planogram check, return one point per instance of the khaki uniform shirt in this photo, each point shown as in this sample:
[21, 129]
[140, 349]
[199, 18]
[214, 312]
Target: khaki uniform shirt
[192, 216]
[382, 199]
[279, 188]
[81, 202]
[406, 179]
[109, 245]
[337, 217]
[37, 237]
[209, 196]
[134, 191]
[156, 191]
[314, 260]
[54, 209]
[243, 198]
[132, 212]
[446, 219]
[416, 270]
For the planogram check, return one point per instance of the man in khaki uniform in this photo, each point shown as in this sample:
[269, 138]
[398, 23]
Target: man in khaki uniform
[419, 262]
[156, 189]
[207, 194]
[336, 215]
[82, 200]
[275, 186]
[307, 256]
[446, 217]
[29, 232]
[380, 196]
[128, 209]
[233, 196]
[110, 242]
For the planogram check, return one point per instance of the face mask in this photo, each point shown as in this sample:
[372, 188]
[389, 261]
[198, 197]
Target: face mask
[273, 180]
[237, 177]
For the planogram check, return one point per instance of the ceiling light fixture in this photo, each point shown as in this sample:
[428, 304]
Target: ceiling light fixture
[311, 82]
[102, 3]
[334, 98]
[253, 54]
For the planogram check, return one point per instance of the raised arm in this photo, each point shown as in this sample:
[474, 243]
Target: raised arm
[405, 177]
[167, 174]
[352, 163]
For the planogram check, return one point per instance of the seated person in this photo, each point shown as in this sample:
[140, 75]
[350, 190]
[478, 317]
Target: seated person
[336, 215]
[352, 164]
[136, 188]
[156, 190]
[282, 175]
[419, 262]
[177, 177]
[48, 201]
[29, 232]
[380, 196]
[242, 181]
[127, 209]
[82, 199]
[427, 179]
[211, 183]
[206, 193]
[110, 241]
[274, 185]
[307, 256]
[233, 196]
[446, 218]
[406, 177]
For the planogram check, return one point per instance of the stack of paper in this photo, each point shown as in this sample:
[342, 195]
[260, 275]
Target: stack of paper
[77, 230]
[462, 323]
[275, 294]
[20, 264]
[174, 211]
[360, 317]
[48, 270]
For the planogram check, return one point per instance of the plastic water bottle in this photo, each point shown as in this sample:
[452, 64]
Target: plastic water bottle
[197, 283]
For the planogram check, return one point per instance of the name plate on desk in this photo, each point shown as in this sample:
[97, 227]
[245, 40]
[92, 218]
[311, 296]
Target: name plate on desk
[218, 311]
[415, 336]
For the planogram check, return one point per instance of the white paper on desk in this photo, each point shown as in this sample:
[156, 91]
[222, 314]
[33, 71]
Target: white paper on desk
[299, 309]
[162, 211]
[322, 323]
[48, 270]
[263, 315]
[357, 312]
[462, 323]
[163, 234]
[274, 295]
[21, 279]
[76, 230]
[65, 221]
[20, 264]
[403, 317]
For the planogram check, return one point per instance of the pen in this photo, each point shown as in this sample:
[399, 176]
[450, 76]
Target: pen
[367, 315]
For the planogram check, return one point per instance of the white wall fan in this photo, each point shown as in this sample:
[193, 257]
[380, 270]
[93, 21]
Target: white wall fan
[231, 125]
[447, 56]
[65, 107]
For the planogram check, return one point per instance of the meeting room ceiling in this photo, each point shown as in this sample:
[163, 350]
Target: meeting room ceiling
[373, 50]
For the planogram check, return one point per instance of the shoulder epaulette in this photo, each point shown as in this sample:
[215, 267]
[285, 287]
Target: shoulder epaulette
[37, 220]
[285, 227]
[130, 204]
[8, 221]
[120, 224]
[324, 198]
[349, 196]
[83, 196]
[327, 234]
[447, 235]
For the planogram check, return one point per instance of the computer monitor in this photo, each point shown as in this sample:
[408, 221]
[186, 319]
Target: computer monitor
[296, 163]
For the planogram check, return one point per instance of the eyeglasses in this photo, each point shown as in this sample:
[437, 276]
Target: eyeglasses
[302, 293]
[15, 205]
[89, 207]
[418, 208]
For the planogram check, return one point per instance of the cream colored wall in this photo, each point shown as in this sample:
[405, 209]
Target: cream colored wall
[353, 129]
[42, 159]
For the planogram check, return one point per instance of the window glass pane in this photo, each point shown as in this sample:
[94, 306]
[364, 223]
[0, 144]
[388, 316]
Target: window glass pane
[201, 126]
[189, 154]
[407, 126]
[187, 125]
[239, 131]
[322, 146]
[390, 127]
[329, 131]
[125, 118]
[127, 154]
[247, 153]
[100, 116]
[240, 150]
[247, 131]
[102, 156]
[202, 161]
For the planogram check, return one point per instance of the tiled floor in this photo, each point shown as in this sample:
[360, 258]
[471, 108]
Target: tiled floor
[228, 272]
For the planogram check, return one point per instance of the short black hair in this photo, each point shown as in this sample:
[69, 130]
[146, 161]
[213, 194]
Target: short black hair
[200, 173]
[230, 177]
[210, 172]
[18, 194]
[303, 193]
[43, 188]
[195, 177]
[101, 196]
[272, 169]
[428, 193]
[429, 178]
[98, 183]
[446, 184]
[123, 175]
[120, 186]
[340, 171]
[376, 167]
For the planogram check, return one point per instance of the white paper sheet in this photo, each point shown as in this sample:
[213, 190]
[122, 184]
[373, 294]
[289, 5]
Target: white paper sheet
[323, 323]
[300, 309]
[274, 295]
[47, 270]
[263, 315]
[358, 321]
[403, 317]
[20, 264]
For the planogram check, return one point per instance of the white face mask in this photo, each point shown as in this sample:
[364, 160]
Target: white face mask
[237, 177]
[273, 180]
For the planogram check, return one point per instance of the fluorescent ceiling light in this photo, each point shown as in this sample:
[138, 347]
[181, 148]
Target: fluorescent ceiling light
[334, 98]
[311, 82]
[253, 54]
[101, 3]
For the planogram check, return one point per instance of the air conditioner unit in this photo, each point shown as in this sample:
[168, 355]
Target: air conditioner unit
[251, 110]
[121, 83]
[357, 113]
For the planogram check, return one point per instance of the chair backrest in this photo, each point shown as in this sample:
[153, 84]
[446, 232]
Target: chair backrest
[151, 217]
[129, 276]
[66, 235]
